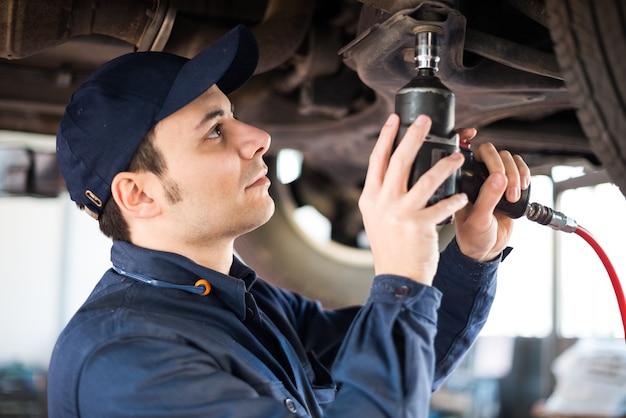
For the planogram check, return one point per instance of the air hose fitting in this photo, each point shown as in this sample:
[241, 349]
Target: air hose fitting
[545, 215]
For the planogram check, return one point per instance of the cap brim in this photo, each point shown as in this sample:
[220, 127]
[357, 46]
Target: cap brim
[229, 63]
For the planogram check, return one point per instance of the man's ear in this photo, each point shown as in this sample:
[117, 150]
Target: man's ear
[132, 193]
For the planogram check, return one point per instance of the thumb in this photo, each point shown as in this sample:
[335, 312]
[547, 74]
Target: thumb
[490, 193]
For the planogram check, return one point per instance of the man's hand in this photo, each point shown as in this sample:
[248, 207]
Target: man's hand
[481, 233]
[402, 231]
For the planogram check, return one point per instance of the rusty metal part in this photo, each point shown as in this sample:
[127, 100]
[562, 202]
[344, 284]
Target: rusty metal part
[33, 26]
[499, 90]
[394, 6]
[534, 9]
[512, 54]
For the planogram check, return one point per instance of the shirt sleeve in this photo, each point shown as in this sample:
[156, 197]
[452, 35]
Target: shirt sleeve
[408, 337]
[468, 288]
[385, 366]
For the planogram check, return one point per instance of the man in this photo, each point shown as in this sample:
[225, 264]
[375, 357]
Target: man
[180, 328]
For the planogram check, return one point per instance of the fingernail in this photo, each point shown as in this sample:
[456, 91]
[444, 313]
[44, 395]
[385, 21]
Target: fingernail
[456, 155]
[389, 119]
[514, 194]
[421, 120]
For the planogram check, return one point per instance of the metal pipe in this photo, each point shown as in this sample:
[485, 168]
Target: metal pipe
[35, 26]
[512, 54]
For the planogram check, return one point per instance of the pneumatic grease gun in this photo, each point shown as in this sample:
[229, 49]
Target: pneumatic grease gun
[426, 94]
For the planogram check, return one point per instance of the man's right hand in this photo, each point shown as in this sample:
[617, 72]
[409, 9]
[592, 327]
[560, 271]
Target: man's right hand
[401, 230]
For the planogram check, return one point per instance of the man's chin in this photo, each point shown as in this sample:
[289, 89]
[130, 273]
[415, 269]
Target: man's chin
[270, 212]
[264, 217]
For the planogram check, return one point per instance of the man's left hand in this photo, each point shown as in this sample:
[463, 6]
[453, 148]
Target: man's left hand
[481, 233]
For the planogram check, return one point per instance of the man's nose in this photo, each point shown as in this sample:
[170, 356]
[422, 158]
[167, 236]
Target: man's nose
[254, 141]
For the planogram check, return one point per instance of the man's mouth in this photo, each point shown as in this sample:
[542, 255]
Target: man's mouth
[260, 180]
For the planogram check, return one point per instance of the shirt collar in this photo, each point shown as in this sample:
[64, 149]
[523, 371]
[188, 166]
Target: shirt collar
[175, 268]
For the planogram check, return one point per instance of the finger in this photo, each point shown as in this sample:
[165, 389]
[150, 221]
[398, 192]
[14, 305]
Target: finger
[489, 195]
[513, 189]
[466, 134]
[524, 171]
[432, 179]
[445, 208]
[379, 158]
[403, 157]
[488, 155]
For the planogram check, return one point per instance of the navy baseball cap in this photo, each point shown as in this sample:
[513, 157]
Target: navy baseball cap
[113, 110]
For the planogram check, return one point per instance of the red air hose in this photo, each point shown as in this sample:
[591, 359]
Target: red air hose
[617, 287]
[545, 215]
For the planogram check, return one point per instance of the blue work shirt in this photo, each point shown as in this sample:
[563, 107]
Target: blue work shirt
[249, 349]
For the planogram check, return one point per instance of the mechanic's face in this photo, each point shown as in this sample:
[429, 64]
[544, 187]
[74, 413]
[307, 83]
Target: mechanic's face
[215, 163]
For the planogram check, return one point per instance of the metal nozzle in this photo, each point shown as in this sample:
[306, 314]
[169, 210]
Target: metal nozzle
[427, 47]
[545, 215]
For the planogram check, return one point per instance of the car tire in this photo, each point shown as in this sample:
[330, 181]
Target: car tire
[590, 44]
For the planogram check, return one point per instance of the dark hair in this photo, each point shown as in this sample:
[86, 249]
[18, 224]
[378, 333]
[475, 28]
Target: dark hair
[146, 158]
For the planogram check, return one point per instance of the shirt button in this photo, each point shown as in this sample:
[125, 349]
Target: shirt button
[402, 291]
[291, 406]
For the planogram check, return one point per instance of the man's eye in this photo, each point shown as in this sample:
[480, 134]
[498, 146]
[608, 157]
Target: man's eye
[216, 132]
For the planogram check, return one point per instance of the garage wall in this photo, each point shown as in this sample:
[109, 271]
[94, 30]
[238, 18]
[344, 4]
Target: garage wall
[51, 255]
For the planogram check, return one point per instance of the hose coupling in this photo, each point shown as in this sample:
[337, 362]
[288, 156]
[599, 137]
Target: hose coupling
[545, 215]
